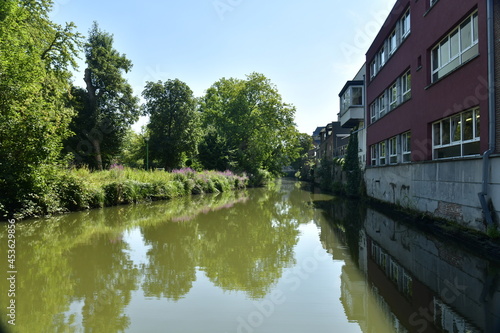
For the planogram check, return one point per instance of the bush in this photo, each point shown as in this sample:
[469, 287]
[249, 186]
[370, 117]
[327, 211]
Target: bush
[260, 178]
[78, 189]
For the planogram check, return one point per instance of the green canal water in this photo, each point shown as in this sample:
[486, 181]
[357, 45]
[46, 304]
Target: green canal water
[286, 259]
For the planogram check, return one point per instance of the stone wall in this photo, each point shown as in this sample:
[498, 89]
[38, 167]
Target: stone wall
[447, 189]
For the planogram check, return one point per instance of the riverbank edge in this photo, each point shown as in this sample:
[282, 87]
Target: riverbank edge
[83, 190]
[471, 240]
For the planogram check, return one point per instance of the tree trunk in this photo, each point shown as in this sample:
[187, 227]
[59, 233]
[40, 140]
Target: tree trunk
[97, 149]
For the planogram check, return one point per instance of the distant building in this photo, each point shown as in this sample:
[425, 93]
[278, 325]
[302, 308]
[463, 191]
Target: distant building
[353, 110]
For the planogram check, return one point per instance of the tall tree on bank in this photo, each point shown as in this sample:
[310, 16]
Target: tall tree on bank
[250, 123]
[106, 107]
[35, 57]
[173, 123]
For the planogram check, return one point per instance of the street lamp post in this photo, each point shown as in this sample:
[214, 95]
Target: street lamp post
[147, 152]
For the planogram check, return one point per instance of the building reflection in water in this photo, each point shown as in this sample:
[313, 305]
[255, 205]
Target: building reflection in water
[422, 283]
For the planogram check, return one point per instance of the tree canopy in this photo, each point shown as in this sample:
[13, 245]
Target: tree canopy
[106, 107]
[36, 55]
[173, 122]
[248, 125]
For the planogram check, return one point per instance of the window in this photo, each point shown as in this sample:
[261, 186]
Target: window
[353, 96]
[406, 146]
[406, 86]
[382, 152]
[381, 57]
[357, 96]
[373, 151]
[373, 69]
[373, 112]
[405, 25]
[390, 45]
[393, 150]
[458, 135]
[392, 42]
[455, 49]
[393, 96]
[381, 105]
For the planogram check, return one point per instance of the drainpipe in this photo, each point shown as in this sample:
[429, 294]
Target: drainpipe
[491, 115]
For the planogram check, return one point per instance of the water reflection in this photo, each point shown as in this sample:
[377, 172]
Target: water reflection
[227, 256]
[77, 270]
[421, 283]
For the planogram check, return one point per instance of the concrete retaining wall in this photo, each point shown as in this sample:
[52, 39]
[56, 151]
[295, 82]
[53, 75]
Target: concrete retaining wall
[446, 189]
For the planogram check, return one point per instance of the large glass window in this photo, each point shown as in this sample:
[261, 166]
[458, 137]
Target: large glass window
[458, 135]
[455, 49]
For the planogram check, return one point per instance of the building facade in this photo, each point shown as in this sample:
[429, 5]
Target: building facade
[430, 114]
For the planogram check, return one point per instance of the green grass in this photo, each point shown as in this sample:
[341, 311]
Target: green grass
[80, 189]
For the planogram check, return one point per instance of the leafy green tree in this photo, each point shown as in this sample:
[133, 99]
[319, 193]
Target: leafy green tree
[133, 153]
[36, 55]
[304, 144]
[173, 124]
[352, 168]
[254, 127]
[106, 107]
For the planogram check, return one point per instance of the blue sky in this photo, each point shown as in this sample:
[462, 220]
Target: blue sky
[307, 48]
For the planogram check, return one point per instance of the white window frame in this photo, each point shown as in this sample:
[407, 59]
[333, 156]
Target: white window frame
[443, 61]
[382, 56]
[405, 24]
[382, 105]
[406, 85]
[373, 112]
[373, 68]
[442, 140]
[393, 96]
[374, 154]
[392, 42]
[406, 147]
[393, 150]
[382, 157]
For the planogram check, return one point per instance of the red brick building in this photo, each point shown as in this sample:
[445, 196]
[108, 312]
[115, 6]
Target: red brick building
[427, 83]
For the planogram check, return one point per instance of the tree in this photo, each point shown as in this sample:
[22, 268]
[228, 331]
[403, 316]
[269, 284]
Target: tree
[36, 55]
[171, 107]
[252, 122]
[106, 107]
[351, 166]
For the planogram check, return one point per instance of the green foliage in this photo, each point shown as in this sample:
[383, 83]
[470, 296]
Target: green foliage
[81, 189]
[351, 167]
[260, 178]
[106, 108]
[248, 125]
[34, 86]
[173, 122]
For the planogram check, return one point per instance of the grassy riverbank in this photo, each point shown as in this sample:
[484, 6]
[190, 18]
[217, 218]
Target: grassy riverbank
[81, 189]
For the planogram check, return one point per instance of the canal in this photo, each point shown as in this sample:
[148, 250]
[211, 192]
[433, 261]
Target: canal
[286, 259]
